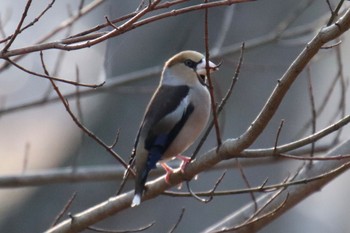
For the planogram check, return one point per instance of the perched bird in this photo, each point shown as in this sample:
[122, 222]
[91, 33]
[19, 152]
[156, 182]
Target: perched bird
[177, 113]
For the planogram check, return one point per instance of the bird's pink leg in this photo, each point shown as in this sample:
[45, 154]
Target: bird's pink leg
[185, 160]
[168, 170]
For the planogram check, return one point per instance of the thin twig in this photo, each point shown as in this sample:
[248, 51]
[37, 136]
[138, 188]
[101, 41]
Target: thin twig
[313, 108]
[80, 117]
[178, 221]
[116, 139]
[64, 209]
[332, 45]
[314, 158]
[330, 7]
[2, 31]
[246, 181]
[334, 13]
[97, 229]
[80, 7]
[212, 191]
[26, 157]
[140, 6]
[110, 23]
[343, 90]
[78, 99]
[278, 136]
[211, 88]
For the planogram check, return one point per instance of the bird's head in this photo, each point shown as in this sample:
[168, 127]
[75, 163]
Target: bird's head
[187, 67]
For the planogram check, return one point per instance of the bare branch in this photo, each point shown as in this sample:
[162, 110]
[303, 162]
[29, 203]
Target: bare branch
[19, 26]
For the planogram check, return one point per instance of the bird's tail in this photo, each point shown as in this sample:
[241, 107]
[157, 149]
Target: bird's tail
[139, 187]
[136, 200]
[154, 156]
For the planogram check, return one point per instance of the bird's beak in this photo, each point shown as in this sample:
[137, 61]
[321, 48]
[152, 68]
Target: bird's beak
[201, 67]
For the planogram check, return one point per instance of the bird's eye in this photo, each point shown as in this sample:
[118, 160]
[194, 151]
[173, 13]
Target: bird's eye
[190, 63]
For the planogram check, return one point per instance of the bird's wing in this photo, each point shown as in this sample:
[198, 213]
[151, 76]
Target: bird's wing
[164, 118]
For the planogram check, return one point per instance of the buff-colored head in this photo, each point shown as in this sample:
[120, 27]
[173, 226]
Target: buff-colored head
[187, 67]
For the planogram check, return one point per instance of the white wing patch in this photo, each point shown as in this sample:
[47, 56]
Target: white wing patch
[174, 117]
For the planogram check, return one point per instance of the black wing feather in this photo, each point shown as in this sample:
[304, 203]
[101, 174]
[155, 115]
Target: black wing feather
[174, 96]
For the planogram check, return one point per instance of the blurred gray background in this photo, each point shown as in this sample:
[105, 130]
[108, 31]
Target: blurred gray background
[53, 140]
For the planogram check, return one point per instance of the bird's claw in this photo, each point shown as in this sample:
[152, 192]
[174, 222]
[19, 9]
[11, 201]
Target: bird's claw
[185, 160]
[168, 170]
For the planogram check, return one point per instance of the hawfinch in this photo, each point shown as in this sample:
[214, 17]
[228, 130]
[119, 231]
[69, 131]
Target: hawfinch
[177, 113]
